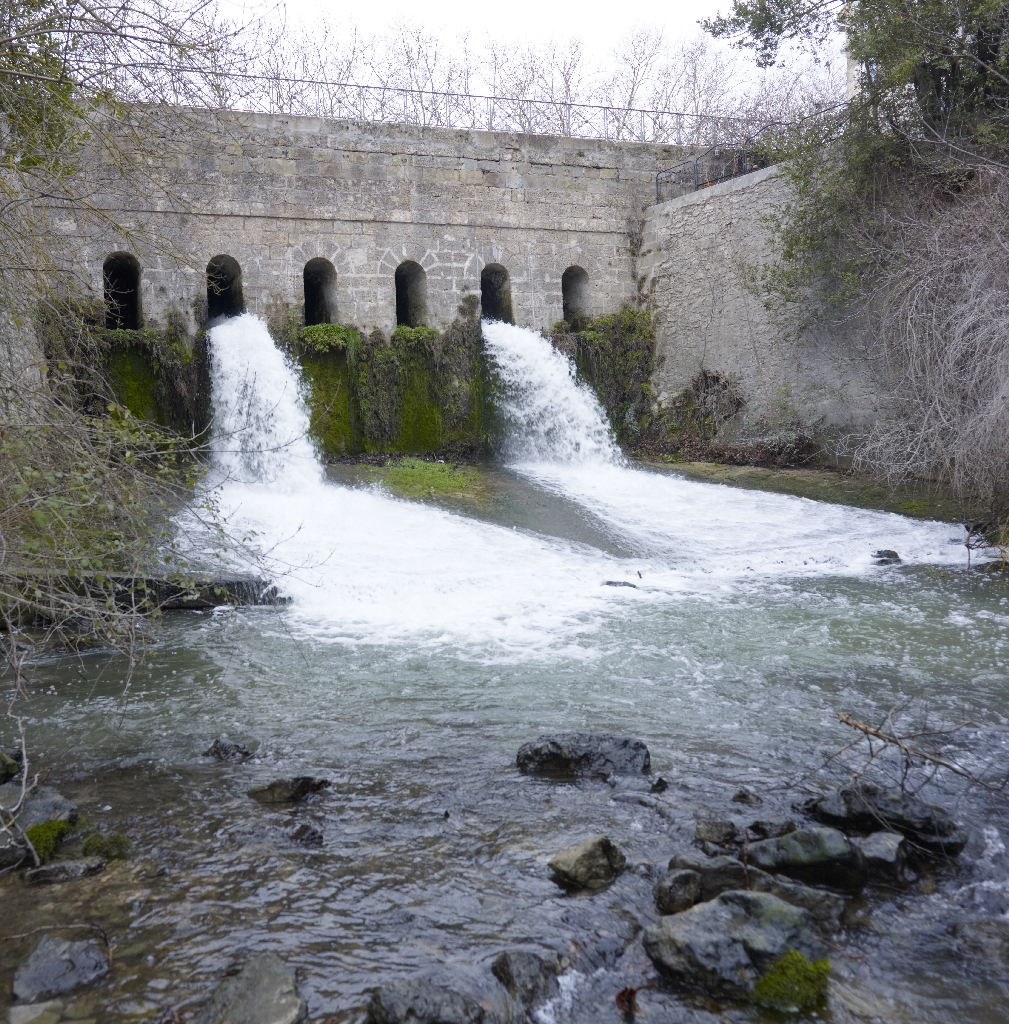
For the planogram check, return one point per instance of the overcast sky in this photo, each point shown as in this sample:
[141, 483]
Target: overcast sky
[598, 25]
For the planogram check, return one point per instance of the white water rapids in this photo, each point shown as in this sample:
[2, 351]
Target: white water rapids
[367, 567]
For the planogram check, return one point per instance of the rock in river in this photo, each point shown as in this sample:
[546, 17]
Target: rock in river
[726, 945]
[65, 871]
[589, 865]
[817, 856]
[8, 768]
[57, 966]
[41, 805]
[678, 890]
[711, 830]
[885, 857]
[286, 791]
[264, 992]
[225, 750]
[527, 976]
[568, 755]
[444, 996]
[868, 808]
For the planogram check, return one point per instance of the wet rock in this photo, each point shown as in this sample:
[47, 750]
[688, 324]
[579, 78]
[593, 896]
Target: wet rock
[307, 835]
[724, 946]
[869, 808]
[263, 992]
[746, 796]
[567, 755]
[886, 556]
[720, 874]
[57, 966]
[659, 785]
[225, 750]
[589, 865]
[441, 998]
[817, 856]
[38, 1013]
[677, 891]
[885, 857]
[65, 871]
[41, 805]
[528, 978]
[718, 833]
[286, 791]
[8, 768]
[771, 828]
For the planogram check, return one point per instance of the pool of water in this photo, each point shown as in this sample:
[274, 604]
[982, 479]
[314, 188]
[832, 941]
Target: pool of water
[424, 645]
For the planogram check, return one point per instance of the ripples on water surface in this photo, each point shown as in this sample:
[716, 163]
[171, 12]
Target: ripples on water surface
[422, 647]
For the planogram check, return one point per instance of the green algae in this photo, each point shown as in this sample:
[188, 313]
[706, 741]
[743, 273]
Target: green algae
[327, 338]
[793, 984]
[418, 479]
[46, 836]
[110, 847]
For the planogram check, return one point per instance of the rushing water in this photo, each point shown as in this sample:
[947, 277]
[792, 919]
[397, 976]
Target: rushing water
[421, 647]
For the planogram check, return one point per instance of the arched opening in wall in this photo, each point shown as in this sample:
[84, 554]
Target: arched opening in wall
[496, 294]
[121, 275]
[411, 295]
[320, 292]
[224, 288]
[575, 290]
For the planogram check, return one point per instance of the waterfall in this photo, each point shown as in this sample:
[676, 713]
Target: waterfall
[550, 415]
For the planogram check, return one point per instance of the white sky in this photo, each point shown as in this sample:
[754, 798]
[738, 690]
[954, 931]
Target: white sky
[599, 25]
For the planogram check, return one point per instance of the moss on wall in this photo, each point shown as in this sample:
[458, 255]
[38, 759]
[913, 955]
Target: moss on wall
[327, 376]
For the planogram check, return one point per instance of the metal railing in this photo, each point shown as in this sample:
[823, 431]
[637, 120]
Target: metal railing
[706, 169]
[431, 108]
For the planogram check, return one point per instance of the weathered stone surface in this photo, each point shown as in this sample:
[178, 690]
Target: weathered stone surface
[677, 891]
[285, 791]
[771, 828]
[65, 871]
[57, 966]
[225, 750]
[711, 830]
[818, 856]
[439, 998]
[885, 856]
[41, 805]
[529, 978]
[589, 865]
[723, 946]
[264, 992]
[720, 874]
[567, 755]
[868, 808]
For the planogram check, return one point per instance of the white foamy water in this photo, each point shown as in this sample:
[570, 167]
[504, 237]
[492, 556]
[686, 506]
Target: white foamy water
[558, 438]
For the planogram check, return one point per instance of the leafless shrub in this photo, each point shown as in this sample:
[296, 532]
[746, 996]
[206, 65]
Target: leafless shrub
[941, 344]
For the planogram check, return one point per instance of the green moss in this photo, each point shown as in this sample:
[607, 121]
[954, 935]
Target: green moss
[8, 768]
[327, 374]
[793, 984]
[414, 335]
[135, 383]
[415, 478]
[110, 847]
[46, 836]
[320, 338]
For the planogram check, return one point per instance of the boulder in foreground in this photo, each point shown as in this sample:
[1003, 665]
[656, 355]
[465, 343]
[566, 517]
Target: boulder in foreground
[597, 755]
[264, 992]
[57, 966]
[869, 808]
[589, 865]
[816, 856]
[725, 946]
[41, 805]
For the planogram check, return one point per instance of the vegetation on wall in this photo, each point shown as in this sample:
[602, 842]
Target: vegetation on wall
[899, 199]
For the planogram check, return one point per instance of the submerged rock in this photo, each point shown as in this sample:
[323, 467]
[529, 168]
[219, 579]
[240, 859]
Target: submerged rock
[528, 977]
[225, 750]
[65, 871]
[869, 808]
[567, 755]
[720, 874]
[887, 556]
[286, 791]
[57, 966]
[443, 996]
[263, 992]
[589, 865]
[307, 835]
[725, 946]
[42, 805]
[48, 1012]
[746, 796]
[819, 856]
[885, 857]
[771, 828]
[8, 768]
[711, 830]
